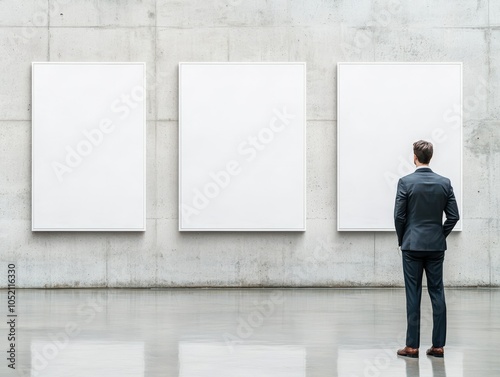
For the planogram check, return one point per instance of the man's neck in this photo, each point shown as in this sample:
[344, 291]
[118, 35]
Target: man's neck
[422, 166]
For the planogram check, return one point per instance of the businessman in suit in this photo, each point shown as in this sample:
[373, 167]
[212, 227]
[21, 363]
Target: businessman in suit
[421, 199]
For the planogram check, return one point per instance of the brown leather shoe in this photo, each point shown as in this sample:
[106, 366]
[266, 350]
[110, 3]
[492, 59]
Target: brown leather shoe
[435, 351]
[408, 352]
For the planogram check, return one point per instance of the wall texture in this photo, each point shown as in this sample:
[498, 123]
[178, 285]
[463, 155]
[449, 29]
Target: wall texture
[320, 32]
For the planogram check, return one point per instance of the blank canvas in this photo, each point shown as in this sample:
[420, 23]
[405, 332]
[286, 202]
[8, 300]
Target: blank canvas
[242, 146]
[88, 165]
[383, 108]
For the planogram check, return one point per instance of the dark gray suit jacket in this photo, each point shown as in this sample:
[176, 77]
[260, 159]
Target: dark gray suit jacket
[418, 214]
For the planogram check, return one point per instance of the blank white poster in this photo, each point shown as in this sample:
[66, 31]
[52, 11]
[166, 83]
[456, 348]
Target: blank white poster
[383, 108]
[88, 131]
[242, 146]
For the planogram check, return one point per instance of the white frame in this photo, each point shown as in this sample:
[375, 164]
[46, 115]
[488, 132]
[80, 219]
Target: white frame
[302, 229]
[144, 136]
[459, 226]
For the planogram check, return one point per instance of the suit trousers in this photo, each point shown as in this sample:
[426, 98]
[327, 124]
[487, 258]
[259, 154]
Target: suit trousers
[414, 264]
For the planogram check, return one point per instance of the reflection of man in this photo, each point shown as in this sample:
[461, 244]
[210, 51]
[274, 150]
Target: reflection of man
[421, 199]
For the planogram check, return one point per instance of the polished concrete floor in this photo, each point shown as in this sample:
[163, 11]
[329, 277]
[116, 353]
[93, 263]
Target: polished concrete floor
[244, 333]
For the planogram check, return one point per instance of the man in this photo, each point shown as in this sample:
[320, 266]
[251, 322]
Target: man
[421, 199]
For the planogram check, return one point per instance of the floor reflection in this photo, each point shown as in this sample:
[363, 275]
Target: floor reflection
[62, 357]
[229, 360]
[384, 362]
[246, 332]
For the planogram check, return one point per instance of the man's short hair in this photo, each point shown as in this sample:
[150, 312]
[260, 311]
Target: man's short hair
[423, 150]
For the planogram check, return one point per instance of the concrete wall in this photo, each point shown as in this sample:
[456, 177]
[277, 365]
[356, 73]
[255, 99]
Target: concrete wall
[320, 32]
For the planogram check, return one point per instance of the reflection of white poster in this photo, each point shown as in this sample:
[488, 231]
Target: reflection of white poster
[60, 358]
[383, 108]
[230, 360]
[242, 146]
[88, 146]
